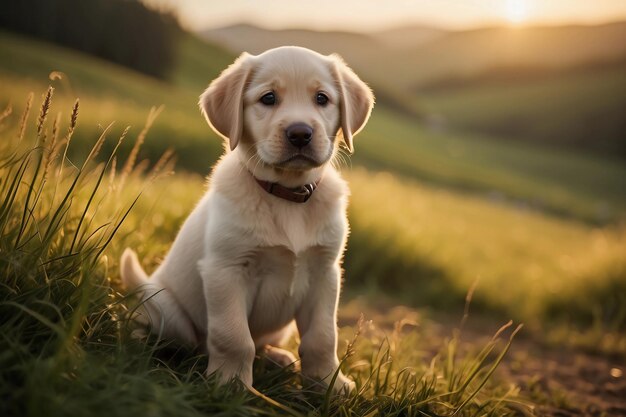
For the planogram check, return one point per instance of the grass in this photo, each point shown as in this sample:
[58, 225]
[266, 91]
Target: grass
[564, 108]
[567, 183]
[529, 266]
[66, 345]
[426, 246]
[110, 92]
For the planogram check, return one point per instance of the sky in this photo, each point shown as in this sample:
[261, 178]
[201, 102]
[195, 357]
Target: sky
[371, 15]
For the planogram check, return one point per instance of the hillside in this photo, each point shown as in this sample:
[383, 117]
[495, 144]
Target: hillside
[469, 52]
[355, 47]
[566, 183]
[109, 92]
[557, 86]
[426, 54]
[409, 36]
[582, 108]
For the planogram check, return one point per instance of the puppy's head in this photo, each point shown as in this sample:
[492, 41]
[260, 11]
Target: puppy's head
[284, 109]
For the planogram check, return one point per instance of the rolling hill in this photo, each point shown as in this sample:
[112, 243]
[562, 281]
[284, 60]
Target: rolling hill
[560, 86]
[569, 183]
[421, 55]
[110, 92]
[409, 36]
[582, 109]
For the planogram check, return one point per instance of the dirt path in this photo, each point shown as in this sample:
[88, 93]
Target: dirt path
[567, 382]
[561, 382]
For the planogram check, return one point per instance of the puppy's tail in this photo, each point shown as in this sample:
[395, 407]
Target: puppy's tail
[158, 309]
[133, 275]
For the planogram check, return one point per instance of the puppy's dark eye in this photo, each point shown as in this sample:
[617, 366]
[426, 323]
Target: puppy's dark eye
[268, 99]
[321, 99]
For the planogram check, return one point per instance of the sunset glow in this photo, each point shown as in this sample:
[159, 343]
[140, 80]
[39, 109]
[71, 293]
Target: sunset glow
[368, 15]
[516, 11]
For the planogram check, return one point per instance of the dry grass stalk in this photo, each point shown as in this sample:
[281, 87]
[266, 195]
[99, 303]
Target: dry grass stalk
[98, 145]
[22, 130]
[114, 158]
[161, 163]
[112, 173]
[52, 149]
[43, 137]
[55, 128]
[168, 169]
[68, 138]
[141, 167]
[123, 135]
[132, 157]
[6, 113]
[73, 118]
[45, 108]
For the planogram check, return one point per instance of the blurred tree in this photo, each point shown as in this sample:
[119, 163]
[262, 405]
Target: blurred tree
[123, 31]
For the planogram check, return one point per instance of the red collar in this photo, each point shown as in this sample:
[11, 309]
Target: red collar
[295, 195]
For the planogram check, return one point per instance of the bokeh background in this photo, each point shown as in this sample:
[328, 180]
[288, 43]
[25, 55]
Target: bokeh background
[495, 157]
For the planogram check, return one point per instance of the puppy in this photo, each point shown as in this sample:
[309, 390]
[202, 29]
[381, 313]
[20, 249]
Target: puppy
[263, 247]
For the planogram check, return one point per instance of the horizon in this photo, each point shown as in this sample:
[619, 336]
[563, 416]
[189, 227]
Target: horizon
[487, 25]
[197, 15]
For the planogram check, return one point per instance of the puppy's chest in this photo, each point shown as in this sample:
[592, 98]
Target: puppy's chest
[280, 281]
[294, 227]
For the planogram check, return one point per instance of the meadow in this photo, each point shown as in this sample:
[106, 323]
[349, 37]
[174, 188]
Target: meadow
[67, 334]
[539, 232]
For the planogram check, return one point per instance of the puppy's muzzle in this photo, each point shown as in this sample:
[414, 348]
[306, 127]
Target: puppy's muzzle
[299, 134]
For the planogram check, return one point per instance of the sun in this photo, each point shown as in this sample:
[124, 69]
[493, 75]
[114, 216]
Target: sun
[516, 11]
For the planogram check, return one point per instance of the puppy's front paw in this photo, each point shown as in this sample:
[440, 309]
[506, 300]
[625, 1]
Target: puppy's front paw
[225, 374]
[343, 385]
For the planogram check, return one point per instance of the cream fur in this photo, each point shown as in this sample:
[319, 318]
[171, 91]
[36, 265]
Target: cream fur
[246, 264]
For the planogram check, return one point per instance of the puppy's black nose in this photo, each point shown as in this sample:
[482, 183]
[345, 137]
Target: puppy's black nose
[299, 134]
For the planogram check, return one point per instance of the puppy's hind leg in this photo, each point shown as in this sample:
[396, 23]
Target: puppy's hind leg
[159, 309]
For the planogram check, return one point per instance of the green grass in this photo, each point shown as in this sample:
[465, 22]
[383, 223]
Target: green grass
[568, 183]
[112, 93]
[199, 62]
[428, 246]
[530, 266]
[584, 108]
[66, 345]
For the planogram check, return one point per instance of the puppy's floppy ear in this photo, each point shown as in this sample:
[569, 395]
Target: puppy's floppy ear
[222, 102]
[357, 100]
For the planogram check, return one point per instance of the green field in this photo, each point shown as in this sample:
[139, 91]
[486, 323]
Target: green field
[111, 93]
[563, 182]
[582, 108]
[540, 230]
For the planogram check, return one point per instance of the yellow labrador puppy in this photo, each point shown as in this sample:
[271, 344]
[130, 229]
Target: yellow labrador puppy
[264, 245]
